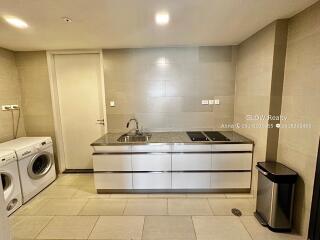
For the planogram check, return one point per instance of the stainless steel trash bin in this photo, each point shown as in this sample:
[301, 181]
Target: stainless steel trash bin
[276, 184]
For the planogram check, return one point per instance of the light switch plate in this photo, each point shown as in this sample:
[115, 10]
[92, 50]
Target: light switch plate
[205, 102]
[112, 103]
[211, 102]
[217, 101]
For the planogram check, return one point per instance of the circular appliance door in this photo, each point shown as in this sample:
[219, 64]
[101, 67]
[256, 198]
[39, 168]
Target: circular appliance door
[40, 165]
[7, 182]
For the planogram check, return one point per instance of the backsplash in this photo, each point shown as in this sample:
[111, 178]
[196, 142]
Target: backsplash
[163, 87]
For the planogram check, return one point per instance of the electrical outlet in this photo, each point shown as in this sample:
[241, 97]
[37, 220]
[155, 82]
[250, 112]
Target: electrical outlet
[112, 103]
[211, 102]
[205, 102]
[14, 107]
[217, 101]
[6, 107]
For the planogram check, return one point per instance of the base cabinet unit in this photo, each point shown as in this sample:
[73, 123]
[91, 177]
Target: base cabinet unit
[173, 167]
[151, 180]
[105, 181]
[190, 180]
[231, 180]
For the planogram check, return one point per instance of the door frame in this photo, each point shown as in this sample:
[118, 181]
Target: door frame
[55, 98]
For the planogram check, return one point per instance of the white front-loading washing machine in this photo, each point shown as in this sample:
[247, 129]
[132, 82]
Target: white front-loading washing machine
[10, 181]
[36, 163]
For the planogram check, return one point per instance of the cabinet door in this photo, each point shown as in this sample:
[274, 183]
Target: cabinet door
[192, 148]
[113, 180]
[152, 180]
[232, 147]
[190, 180]
[151, 162]
[191, 161]
[231, 161]
[230, 180]
[112, 162]
[152, 148]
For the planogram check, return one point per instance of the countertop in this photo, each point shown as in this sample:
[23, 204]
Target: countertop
[170, 138]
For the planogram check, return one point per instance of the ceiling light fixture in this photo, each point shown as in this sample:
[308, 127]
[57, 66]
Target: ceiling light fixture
[67, 20]
[16, 22]
[162, 18]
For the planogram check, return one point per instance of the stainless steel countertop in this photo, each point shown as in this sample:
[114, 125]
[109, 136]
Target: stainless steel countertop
[169, 138]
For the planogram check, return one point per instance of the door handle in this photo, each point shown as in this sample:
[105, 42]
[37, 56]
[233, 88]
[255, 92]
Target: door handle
[100, 121]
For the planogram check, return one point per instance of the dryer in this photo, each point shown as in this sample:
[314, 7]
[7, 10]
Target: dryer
[36, 163]
[10, 181]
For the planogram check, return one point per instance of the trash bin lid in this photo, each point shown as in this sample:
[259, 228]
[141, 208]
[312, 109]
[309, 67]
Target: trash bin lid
[277, 172]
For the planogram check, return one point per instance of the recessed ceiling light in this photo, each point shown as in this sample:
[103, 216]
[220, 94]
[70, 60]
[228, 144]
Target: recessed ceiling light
[162, 18]
[16, 22]
[67, 20]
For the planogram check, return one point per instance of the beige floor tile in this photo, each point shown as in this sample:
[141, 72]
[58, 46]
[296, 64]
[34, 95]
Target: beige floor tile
[189, 207]
[26, 227]
[56, 191]
[68, 227]
[75, 180]
[206, 195]
[128, 196]
[222, 207]
[31, 207]
[219, 228]
[104, 207]
[259, 232]
[62, 207]
[88, 192]
[239, 195]
[168, 228]
[146, 207]
[168, 195]
[118, 227]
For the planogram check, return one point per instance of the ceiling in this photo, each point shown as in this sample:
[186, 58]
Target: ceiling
[130, 23]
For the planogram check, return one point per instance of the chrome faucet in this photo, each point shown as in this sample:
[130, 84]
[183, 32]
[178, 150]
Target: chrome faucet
[137, 125]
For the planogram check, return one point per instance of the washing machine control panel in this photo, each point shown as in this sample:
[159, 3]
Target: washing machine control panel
[7, 158]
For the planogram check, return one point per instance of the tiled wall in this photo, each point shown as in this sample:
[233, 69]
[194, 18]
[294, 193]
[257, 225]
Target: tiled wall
[301, 97]
[163, 87]
[36, 98]
[9, 94]
[253, 86]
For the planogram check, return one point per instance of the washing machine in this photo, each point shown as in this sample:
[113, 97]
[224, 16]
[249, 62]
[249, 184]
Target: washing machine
[10, 181]
[35, 162]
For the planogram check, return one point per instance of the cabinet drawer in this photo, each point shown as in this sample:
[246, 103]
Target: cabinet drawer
[191, 148]
[113, 180]
[232, 147]
[152, 180]
[231, 161]
[152, 148]
[151, 162]
[191, 161]
[230, 180]
[190, 180]
[112, 149]
[112, 162]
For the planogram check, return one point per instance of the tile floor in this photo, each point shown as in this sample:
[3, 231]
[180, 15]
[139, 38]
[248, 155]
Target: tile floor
[70, 209]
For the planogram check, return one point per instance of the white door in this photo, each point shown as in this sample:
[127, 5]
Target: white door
[80, 96]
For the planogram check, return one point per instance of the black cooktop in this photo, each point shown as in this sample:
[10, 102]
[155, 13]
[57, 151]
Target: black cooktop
[216, 136]
[197, 136]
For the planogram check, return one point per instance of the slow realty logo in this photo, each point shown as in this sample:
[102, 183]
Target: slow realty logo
[256, 117]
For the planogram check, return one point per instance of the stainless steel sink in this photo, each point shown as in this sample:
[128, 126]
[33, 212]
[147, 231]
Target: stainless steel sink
[134, 138]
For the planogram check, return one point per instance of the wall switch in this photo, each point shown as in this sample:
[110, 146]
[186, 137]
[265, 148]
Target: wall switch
[217, 101]
[205, 102]
[211, 102]
[5, 107]
[112, 103]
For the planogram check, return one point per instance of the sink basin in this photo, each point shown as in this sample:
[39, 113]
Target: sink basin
[134, 138]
